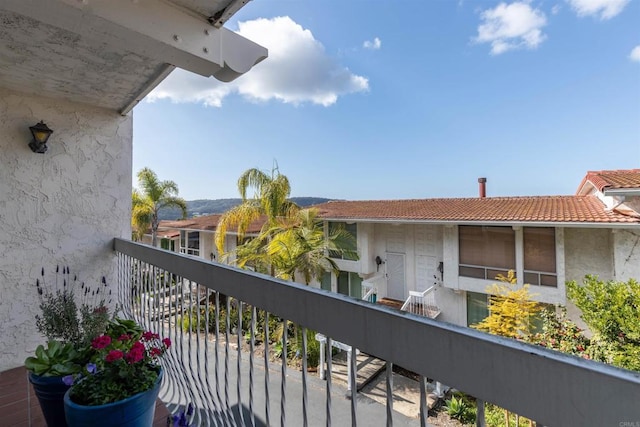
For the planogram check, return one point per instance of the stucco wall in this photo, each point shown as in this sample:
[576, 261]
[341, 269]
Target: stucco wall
[626, 255]
[63, 207]
[588, 251]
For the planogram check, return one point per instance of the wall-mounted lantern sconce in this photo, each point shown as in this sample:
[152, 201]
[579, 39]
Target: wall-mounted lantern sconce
[441, 270]
[378, 262]
[41, 134]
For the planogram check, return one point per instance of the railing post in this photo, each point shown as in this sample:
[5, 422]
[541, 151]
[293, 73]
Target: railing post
[349, 356]
[321, 364]
[439, 390]
[480, 422]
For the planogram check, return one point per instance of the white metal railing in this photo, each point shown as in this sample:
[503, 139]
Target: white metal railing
[222, 312]
[190, 251]
[422, 303]
[337, 344]
[370, 288]
[369, 293]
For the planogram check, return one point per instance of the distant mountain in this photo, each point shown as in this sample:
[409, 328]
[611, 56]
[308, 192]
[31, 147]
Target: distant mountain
[218, 206]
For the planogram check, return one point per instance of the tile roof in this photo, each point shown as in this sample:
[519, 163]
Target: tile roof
[205, 222]
[166, 234]
[614, 179]
[581, 209]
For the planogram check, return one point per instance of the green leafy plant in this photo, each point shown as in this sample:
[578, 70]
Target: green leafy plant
[461, 410]
[610, 309]
[71, 312]
[56, 359]
[126, 362]
[496, 416]
[558, 332]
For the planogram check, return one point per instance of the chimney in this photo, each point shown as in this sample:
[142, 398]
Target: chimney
[482, 187]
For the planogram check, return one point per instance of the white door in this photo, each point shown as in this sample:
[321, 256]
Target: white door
[395, 276]
[425, 272]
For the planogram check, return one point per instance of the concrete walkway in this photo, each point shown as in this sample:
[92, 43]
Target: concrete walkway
[372, 371]
[370, 411]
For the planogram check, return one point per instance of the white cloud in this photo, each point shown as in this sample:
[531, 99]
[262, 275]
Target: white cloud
[298, 70]
[635, 54]
[555, 9]
[606, 9]
[183, 86]
[374, 44]
[511, 26]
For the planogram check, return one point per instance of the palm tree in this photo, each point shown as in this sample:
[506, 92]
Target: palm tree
[270, 199]
[155, 195]
[300, 245]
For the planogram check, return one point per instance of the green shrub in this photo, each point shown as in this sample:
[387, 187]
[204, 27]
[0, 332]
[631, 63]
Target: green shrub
[313, 349]
[460, 409]
[495, 417]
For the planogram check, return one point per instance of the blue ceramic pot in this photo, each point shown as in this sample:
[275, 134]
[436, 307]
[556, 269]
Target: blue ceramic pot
[135, 411]
[50, 393]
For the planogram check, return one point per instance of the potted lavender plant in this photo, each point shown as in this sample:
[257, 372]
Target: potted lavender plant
[72, 313]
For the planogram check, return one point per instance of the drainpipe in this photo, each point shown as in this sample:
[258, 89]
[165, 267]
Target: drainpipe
[482, 187]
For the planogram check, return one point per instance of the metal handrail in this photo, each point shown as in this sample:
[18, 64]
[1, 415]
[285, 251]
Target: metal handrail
[529, 380]
[422, 303]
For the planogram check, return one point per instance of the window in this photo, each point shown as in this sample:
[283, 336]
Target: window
[190, 242]
[540, 256]
[325, 283]
[351, 251]
[350, 284]
[477, 307]
[486, 252]
[167, 244]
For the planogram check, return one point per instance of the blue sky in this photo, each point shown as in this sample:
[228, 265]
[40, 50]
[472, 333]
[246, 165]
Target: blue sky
[396, 99]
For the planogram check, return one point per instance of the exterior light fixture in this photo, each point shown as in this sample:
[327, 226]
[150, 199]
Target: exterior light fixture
[41, 134]
[378, 262]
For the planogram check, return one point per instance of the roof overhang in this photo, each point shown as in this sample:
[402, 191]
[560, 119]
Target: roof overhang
[618, 192]
[563, 224]
[111, 53]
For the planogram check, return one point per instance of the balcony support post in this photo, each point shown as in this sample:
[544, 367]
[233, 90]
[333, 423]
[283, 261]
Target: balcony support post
[480, 422]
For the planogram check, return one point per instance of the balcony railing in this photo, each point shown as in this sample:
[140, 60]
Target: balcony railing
[371, 287]
[422, 303]
[230, 386]
[190, 251]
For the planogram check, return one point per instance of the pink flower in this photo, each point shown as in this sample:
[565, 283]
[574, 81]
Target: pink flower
[113, 356]
[166, 342]
[136, 353]
[101, 342]
[155, 351]
[148, 336]
[124, 337]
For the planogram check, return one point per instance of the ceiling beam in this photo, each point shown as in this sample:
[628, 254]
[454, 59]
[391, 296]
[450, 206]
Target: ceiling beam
[152, 28]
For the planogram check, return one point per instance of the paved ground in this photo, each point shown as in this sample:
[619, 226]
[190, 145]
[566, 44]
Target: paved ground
[369, 411]
[406, 391]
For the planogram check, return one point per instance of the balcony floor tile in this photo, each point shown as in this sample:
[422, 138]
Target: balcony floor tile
[18, 403]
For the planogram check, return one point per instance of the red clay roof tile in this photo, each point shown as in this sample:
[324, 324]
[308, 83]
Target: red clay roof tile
[205, 222]
[581, 209]
[629, 178]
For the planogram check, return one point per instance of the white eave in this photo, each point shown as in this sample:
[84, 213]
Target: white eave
[618, 192]
[508, 223]
[111, 53]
